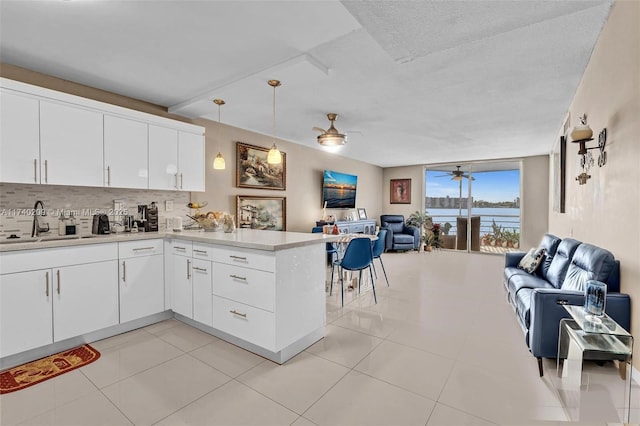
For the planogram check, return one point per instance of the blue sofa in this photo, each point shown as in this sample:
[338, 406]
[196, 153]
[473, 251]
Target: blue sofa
[559, 280]
[399, 235]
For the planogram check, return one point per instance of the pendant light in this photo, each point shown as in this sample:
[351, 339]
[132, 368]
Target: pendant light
[218, 162]
[274, 156]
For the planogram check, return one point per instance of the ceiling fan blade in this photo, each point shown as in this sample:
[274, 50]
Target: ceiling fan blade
[319, 129]
[446, 174]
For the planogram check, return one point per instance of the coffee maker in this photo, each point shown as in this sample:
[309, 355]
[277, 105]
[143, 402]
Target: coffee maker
[149, 216]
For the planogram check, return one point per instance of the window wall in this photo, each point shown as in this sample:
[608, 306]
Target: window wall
[476, 205]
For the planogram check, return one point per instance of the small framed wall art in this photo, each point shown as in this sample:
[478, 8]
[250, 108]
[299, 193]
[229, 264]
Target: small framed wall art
[400, 191]
[362, 213]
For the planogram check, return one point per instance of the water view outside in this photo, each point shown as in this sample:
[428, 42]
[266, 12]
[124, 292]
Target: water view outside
[494, 203]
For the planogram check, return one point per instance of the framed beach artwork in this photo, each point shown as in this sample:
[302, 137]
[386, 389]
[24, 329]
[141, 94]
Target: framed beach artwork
[400, 191]
[253, 171]
[257, 212]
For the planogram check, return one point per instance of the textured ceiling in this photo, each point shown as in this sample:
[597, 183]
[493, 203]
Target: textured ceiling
[413, 82]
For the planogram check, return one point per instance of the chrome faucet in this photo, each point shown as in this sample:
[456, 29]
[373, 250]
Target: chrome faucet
[36, 229]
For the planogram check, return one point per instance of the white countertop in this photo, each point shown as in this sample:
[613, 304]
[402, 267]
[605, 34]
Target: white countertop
[246, 238]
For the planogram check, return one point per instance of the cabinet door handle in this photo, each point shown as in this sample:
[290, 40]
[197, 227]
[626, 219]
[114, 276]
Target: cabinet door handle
[58, 275]
[46, 288]
[181, 180]
[149, 248]
[108, 175]
[195, 268]
[237, 277]
[124, 271]
[176, 176]
[188, 269]
[237, 257]
[46, 171]
[35, 170]
[234, 312]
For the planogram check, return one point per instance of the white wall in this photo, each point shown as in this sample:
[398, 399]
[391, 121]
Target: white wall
[605, 211]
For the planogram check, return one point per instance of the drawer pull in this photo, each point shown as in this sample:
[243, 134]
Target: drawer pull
[238, 313]
[179, 248]
[238, 257]
[200, 251]
[237, 277]
[195, 268]
[144, 248]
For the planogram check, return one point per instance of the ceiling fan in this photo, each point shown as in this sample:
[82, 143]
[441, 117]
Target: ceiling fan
[457, 174]
[331, 137]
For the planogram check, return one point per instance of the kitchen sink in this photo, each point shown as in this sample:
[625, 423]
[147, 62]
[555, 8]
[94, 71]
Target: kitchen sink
[45, 239]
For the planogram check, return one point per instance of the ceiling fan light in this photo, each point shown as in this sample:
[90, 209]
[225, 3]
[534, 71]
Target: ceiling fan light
[332, 139]
[218, 162]
[457, 177]
[274, 156]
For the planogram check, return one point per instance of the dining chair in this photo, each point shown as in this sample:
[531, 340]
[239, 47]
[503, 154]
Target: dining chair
[378, 249]
[357, 256]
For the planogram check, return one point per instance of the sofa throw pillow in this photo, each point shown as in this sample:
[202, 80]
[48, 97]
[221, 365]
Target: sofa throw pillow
[530, 262]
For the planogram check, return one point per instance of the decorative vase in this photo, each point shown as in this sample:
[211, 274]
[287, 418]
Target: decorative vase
[595, 296]
[428, 248]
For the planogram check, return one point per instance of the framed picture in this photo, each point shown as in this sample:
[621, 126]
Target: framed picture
[253, 171]
[400, 191]
[256, 212]
[362, 214]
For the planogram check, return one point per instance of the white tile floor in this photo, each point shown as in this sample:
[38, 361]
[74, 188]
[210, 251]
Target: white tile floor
[441, 347]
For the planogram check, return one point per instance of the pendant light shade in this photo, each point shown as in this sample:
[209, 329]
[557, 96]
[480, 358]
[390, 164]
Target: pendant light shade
[218, 162]
[274, 156]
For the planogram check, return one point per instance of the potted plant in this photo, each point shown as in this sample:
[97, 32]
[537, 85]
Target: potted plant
[419, 220]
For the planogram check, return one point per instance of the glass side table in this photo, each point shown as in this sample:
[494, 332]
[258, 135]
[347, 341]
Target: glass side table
[581, 338]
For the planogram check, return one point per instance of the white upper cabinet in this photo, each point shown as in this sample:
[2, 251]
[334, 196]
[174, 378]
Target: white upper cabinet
[70, 145]
[50, 137]
[163, 158]
[176, 159]
[125, 153]
[191, 161]
[19, 139]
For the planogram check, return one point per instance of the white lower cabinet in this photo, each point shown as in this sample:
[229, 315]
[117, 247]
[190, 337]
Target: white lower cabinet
[202, 287]
[251, 324]
[141, 279]
[85, 299]
[25, 311]
[46, 298]
[182, 284]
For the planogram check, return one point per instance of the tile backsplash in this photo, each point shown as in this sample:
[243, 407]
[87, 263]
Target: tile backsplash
[17, 201]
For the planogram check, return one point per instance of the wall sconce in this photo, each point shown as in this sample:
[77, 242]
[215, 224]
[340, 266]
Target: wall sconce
[582, 134]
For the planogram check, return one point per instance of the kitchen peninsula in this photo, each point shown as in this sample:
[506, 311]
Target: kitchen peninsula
[260, 290]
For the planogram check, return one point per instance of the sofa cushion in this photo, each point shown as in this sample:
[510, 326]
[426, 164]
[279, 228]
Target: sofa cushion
[519, 282]
[560, 263]
[588, 263]
[530, 262]
[394, 227]
[523, 305]
[550, 245]
[509, 272]
[402, 239]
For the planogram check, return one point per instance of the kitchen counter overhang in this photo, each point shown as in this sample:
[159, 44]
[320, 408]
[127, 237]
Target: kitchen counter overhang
[242, 238]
